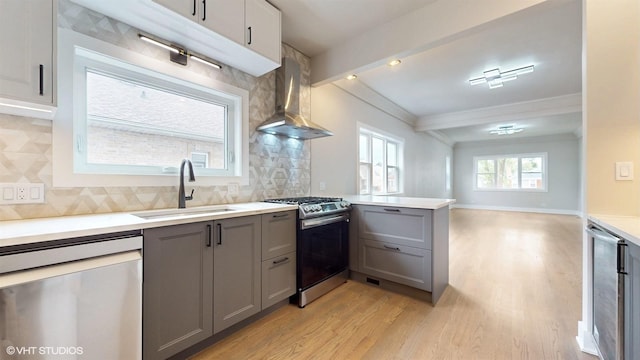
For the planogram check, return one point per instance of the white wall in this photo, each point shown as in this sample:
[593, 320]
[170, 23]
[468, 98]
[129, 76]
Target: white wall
[334, 159]
[563, 167]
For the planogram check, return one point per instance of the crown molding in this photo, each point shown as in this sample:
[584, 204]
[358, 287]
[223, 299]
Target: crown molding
[503, 113]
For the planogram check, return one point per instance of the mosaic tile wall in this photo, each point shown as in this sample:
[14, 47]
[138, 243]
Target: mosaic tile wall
[278, 166]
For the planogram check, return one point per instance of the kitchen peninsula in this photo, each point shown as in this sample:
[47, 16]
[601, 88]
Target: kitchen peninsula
[401, 244]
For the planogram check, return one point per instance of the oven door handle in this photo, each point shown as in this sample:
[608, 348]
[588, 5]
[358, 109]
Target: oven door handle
[311, 223]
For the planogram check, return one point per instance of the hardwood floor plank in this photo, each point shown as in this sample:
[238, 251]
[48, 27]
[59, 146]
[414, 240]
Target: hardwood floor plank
[515, 287]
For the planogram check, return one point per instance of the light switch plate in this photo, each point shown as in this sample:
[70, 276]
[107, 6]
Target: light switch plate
[21, 193]
[624, 170]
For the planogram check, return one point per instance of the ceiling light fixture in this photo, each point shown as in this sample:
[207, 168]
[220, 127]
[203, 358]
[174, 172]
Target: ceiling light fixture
[394, 62]
[178, 55]
[352, 77]
[506, 130]
[495, 78]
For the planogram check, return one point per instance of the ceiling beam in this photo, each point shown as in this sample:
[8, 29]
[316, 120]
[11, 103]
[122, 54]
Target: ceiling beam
[375, 99]
[565, 104]
[425, 28]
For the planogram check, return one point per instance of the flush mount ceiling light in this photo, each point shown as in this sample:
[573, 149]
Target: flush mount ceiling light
[506, 130]
[495, 78]
[352, 77]
[178, 55]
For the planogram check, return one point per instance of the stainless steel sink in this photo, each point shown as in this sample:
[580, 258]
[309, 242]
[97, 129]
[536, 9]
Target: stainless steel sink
[158, 214]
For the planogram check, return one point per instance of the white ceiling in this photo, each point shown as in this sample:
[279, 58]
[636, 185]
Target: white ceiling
[432, 84]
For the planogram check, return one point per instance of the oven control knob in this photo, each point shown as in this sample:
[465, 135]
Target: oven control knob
[344, 204]
[306, 208]
[317, 208]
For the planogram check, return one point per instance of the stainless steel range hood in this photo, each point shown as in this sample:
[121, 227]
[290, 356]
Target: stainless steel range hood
[287, 120]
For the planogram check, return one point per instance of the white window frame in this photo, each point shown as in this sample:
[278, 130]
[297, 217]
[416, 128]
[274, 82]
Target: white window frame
[544, 172]
[371, 132]
[74, 51]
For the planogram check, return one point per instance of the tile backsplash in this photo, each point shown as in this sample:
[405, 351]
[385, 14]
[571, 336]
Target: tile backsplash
[278, 166]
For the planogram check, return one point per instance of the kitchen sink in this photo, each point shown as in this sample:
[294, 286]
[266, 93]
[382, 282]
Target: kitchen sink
[158, 214]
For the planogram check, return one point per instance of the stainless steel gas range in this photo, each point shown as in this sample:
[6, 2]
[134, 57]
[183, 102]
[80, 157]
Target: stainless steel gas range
[322, 245]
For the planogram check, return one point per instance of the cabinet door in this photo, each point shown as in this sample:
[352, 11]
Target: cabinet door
[402, 264]
[177, 288]
[186, 8]
[278, 234]
[224, 17]
[262, 25]
[236, 274]
[632, 303]
[278, 279]
[26, 36]
[402, 226]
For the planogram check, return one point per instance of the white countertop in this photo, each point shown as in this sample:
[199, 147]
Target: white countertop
[19, 232]
[399, 201]
[627, 227]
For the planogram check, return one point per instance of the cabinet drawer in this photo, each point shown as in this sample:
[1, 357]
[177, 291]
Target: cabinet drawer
[278, 234]
[278, 279]
[402, 226]
[398, 263]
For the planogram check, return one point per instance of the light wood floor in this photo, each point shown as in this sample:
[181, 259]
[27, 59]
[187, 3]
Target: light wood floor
[515, 285]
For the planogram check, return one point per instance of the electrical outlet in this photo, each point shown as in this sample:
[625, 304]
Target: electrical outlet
[21, 192]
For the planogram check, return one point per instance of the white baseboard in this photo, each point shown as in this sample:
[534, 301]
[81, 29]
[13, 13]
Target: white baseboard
[519, 209]
[585, 340]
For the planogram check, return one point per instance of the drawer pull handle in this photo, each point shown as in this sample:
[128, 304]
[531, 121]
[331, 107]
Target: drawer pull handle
[204, 10]
[276, 262]
[280, 216]
[209, 231]
[391, 248]
[249, 42]
[392, 210]
[219, 234]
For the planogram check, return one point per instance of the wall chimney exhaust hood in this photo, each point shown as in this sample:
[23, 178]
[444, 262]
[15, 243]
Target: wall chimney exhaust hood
[287, 120]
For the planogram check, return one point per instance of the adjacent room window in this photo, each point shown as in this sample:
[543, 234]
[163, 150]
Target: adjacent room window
[380, 168]
[511, 172]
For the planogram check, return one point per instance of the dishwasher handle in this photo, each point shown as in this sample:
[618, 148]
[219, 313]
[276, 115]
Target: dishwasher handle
[45, 257]
[601, 234]
[32, 275]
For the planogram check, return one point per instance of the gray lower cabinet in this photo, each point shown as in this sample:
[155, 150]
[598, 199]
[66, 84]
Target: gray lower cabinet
[177, 288]
[632, 303]
[408, 246]
[278, 257]
[236, 275]
[402, 264]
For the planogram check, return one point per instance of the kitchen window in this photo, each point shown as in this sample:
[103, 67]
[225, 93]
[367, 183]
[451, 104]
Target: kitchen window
[523, 172]
[380, 164]
[131, 120]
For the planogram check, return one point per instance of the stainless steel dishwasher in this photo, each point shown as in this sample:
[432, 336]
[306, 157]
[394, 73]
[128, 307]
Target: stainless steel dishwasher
[77, 298]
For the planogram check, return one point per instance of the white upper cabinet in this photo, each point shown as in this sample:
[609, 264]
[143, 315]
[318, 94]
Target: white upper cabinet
[27, 67]
[222, 16]
[262, 22]
[243, 34]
